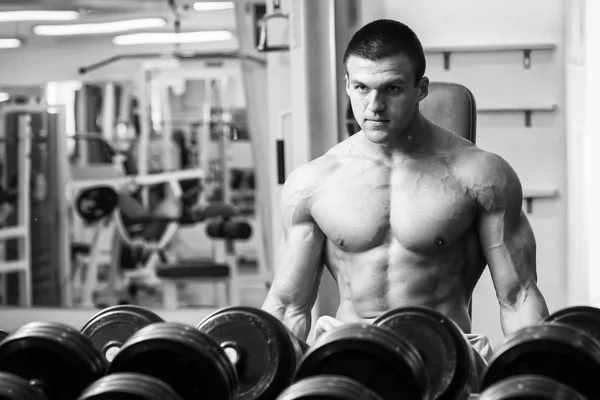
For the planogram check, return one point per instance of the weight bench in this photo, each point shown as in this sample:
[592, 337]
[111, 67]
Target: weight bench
[221, 269]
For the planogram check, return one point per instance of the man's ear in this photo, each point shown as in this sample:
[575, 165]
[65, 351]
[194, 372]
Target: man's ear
[423, 88]
[347, 84]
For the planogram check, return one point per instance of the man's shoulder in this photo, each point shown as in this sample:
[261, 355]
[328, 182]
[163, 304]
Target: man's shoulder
[489, 176]
[483, 165]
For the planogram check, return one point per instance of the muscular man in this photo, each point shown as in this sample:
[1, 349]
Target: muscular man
[404, 212]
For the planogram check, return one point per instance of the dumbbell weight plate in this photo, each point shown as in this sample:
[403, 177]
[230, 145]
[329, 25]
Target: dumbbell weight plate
[556, 351]
[13, 387]
[328, 387]
[529, 387]
[584, 318]
[373, 356]
[263, 350]
[447, 355]
[189, 361]
[95, 203]
[54, 357]
[129, 386]
[113, 326]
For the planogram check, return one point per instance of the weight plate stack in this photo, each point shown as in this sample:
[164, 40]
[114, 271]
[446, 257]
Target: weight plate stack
[373, 356]
[584, 318]
[129, 386]
[532, 387]
[13, 387]
[264, 352]
[328, 387]
[556, 351]
[187, 360]
[112, 327]
[446, 353]
[55, 358]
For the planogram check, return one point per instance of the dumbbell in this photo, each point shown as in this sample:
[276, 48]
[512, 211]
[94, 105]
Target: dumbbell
[262, 350]
[584, 318]
[13, 387]
[109, 329]
[53, 358]
[453, 366]
[554, 350]
[374, 356]
[328, 387]
[189, 361]
[130, 386]
[532, 387]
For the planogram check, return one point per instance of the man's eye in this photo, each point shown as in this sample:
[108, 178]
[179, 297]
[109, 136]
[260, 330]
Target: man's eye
[394, 89]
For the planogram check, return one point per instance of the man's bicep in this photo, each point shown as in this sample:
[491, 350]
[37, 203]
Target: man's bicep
[297, 279]
[297, 276]
[506, 236]
[510, 250]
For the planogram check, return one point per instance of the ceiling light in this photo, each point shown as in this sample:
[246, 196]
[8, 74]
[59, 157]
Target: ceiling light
[9, 43]
[214, 5]
[4, 96]
[38, 15]
[172, 38]
[98, 28]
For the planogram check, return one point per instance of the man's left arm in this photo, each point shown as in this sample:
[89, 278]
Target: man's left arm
[509, 246]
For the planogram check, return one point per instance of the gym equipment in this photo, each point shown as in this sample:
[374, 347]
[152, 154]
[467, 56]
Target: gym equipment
[130, 386]
[188, 360]
[532, 387]
[328, 387]
[584, 318]
[34, 143]
[556, 351]
[262, 350]
[446, 353]
[373, 356]
[13, 387]
[262, 45]
[229, 230]
[54, 358]
[96, 203]
[112, 327]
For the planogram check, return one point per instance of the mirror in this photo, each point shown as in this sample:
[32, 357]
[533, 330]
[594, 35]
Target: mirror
[134, 152]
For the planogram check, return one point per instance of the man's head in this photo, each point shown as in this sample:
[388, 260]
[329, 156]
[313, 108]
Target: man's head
[385, 66]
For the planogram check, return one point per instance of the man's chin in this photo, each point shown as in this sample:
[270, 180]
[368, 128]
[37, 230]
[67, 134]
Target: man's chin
[377, 136]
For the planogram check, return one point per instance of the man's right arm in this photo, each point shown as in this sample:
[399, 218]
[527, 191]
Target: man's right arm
[295, 287]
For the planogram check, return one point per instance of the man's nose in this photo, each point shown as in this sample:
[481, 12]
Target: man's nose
[376, 102]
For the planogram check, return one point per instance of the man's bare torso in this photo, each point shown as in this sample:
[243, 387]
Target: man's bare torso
[402, 231]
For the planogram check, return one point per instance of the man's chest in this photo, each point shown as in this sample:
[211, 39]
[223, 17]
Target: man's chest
[419, 210]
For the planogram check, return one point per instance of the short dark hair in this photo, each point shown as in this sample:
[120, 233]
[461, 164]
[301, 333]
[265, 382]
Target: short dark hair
[385, 38]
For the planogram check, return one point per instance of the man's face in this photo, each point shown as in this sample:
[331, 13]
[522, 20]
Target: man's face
[383, 95]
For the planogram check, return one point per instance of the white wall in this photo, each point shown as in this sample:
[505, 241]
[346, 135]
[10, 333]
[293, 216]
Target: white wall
[579, 164]
[582, 68]
[499, 79]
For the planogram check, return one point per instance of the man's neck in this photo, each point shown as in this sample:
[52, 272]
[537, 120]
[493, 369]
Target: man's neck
[413, 142]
